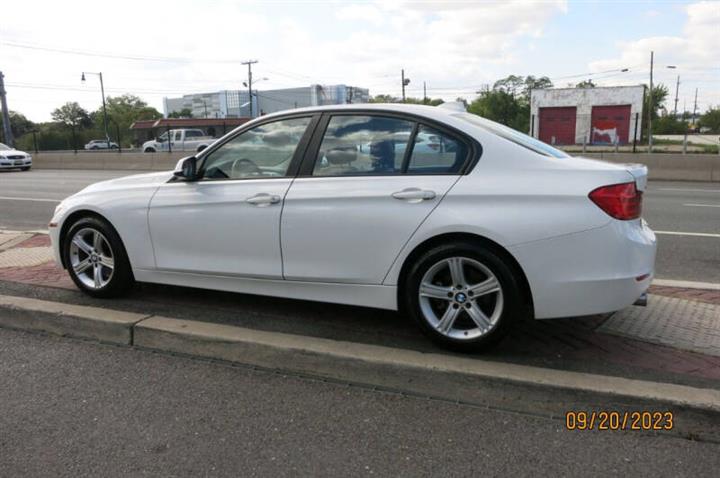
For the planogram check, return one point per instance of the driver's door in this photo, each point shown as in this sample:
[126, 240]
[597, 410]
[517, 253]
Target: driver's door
[228, 221]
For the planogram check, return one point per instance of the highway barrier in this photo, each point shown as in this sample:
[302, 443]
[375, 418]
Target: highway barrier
[665, 166]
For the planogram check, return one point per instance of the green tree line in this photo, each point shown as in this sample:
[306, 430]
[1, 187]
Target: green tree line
[72, 126]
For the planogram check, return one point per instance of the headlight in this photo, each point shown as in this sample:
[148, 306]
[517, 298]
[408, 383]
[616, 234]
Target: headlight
[58, 208]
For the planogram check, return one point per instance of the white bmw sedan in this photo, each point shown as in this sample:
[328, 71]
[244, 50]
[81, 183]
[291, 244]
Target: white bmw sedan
[340, 204]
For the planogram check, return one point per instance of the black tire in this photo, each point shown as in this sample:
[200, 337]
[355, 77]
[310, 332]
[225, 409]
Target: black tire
[26, 168]
[201, 148]
[149, 150]
[121, 279]
[113, 147]
[94, 147]
[514, 303]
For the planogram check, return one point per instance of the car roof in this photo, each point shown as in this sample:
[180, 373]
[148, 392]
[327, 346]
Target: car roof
[433, 112]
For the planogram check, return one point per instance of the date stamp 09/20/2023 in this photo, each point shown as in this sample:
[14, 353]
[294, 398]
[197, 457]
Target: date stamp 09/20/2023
[619, 420]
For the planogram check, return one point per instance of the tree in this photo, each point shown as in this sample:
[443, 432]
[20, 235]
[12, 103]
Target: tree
[409, 100]
[72, 114]
[669, 124]
[20, 124]
[183, 113]
[384, 99]
[122, 112]
[501, 106]
[586, 84]
[512, 85]
[659, 95]
[532, 83]
[710, 119]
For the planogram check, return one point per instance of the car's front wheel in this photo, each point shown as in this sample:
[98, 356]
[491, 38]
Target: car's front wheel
[26, 168]
[96, 259]
[463, 297]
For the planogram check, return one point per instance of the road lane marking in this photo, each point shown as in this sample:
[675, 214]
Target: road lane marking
[695, 234]
[691, 190]
[702, 205]
[686, 284]
[11, 198]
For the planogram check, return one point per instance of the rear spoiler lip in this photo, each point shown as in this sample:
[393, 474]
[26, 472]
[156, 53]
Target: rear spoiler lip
[639, 172]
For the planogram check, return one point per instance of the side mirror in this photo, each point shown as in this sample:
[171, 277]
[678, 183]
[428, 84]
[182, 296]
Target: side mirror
[186, 168]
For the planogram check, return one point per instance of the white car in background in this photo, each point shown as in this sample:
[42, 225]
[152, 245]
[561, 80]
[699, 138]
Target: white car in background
[467, 237]
[100, 144]
[11, 158]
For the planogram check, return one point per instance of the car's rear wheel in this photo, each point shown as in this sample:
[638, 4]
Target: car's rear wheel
[96, 259]
[149, 150]
[463, 297]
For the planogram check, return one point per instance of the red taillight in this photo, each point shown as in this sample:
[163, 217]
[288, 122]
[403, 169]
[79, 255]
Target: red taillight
[621, 201]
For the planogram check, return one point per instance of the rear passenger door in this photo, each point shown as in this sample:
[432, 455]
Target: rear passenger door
[366, 184]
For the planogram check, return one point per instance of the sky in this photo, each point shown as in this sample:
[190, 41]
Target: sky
[157, 48]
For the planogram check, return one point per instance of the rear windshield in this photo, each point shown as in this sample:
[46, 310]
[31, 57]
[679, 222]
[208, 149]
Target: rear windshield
[513, 135]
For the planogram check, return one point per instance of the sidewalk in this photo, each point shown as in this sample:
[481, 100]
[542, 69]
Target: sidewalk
[681, 318]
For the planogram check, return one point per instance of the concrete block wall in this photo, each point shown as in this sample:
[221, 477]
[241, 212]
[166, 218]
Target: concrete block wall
[134, 161]
[678, 167]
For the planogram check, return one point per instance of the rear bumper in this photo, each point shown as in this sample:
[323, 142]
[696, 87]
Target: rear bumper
[592, 272]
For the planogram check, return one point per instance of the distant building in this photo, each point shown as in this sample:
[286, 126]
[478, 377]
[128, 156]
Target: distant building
[600, 115]
[235, 103]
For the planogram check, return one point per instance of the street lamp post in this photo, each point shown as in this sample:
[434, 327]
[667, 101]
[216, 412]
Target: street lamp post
[102, 91]
[650, 100]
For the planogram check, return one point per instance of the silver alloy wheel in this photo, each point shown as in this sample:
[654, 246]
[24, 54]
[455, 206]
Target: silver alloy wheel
[91, 258]
[461, 298]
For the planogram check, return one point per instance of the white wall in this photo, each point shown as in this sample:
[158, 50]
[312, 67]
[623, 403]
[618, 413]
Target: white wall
[584, 99]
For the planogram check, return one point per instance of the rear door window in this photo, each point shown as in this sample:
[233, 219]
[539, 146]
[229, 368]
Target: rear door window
[355, 145]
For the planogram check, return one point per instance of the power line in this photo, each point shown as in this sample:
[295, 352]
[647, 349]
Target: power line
[115, 56]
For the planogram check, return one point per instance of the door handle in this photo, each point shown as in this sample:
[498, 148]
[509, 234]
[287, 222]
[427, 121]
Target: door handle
[263, 199]
[414, 195]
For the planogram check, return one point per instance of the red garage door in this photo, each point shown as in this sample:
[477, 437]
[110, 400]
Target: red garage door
[610, 124]
[557, 125]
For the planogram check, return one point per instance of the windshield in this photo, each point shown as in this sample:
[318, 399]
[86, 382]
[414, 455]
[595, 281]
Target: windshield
[4, 147]
[513, 135]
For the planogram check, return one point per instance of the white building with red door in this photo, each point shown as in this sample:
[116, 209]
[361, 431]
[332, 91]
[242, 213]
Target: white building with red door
[600, 115]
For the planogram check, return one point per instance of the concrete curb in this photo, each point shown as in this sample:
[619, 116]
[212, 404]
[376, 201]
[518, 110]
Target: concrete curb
[318, 356]
[57, 318]
[684, 284]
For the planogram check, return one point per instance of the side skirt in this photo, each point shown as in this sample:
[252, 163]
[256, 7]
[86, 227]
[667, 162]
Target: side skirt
[378, 296]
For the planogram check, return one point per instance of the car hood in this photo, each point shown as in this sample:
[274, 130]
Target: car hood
[135, 181]
[11, 152]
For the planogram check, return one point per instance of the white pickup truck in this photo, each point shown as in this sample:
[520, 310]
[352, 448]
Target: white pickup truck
[180, 140]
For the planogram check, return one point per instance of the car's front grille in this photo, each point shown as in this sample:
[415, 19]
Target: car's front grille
[16, 156]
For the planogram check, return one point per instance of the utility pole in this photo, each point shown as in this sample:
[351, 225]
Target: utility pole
[424, 94]
[405, 82]
[102, 92]
[694, 108]
[677, 89]
[249, 64]
[650, 103]
[5, 113]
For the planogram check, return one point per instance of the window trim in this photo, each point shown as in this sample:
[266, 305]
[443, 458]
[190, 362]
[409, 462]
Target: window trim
[474, 149]
[295, 161]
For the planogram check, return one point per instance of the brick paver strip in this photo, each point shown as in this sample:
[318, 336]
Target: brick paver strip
[679, 323]
[9, 240]
[25, 256]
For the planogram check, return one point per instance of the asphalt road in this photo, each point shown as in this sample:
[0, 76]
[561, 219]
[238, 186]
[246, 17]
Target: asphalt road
[74, 408]
[680, 208]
